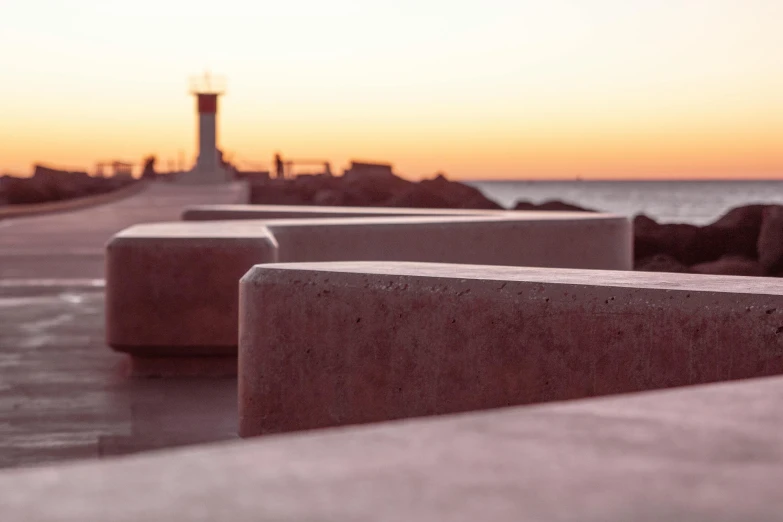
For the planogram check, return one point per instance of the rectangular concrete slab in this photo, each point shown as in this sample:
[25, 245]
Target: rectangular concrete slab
[709, 453]
[155, 269]
[226, 212]
[172, 290]
[546, 239]
[344, 343]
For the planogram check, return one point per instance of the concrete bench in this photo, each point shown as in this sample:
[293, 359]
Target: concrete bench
[707, 453]
[175, 298]
[158, 284]
[345, 343]
[226, 212]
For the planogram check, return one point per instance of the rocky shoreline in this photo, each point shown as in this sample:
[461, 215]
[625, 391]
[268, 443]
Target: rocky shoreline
[381, 189]
[747, 240]
[47, 185]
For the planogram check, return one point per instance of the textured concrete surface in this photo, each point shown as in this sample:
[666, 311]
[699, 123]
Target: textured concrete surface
[709, 453]
[342, 343]
[547, 239]
[174, 289]
[154, 302]
[226, 212]
[63, 394]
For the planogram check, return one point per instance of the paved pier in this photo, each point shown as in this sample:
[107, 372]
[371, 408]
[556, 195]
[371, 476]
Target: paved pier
[63, 393]
[702, 453]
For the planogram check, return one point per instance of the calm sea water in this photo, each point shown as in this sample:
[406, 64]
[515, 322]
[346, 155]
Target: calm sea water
[697, 202]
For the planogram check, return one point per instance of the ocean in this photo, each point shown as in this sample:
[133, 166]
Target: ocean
[696, 202]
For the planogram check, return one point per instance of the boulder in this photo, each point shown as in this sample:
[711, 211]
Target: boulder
[652, 238]
[770, 240]
[550, 205]
[329, 197]
[524, 205]
[280, 192]
[661, 263]
[562, 206]
[3, 191]
[458, 195]
[730, 265]
[418, 196]
[715, 241]
[644, 224]
[363, 186]
[737, 231]
[691, 244]
[25, 191]
[747, 217]
[313, 183]
[373, 189]
[66, 185]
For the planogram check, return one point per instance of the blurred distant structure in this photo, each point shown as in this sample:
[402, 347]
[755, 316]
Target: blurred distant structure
[113, 168]
[369, 170]
[285, 169]
[209, 166]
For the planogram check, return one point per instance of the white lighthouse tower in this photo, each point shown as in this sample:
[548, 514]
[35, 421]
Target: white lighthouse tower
[207, 89]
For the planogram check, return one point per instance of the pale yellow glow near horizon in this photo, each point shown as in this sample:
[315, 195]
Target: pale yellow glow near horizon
[478, 89]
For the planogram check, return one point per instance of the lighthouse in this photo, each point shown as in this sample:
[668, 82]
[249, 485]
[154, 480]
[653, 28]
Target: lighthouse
[208, 169]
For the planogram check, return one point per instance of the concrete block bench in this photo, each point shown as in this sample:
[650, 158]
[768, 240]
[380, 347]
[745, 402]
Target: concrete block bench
[175, 298]
[706, 453]
[154, 273]
[345, 343]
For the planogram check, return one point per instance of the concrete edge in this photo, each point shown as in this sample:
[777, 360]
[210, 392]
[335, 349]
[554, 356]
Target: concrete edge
[565, 276]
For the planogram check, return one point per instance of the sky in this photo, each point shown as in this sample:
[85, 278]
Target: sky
[485, 89]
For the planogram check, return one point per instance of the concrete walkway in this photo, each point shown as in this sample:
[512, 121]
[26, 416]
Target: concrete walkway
[70, 244]
[709, 453]
[63, 393]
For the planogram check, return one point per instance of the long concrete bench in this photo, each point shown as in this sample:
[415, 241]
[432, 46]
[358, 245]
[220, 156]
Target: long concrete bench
[160, 287]
[708, 453]
[226, 212]
[345, 343]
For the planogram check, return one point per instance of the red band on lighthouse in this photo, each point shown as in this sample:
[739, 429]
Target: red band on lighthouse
[207, 103]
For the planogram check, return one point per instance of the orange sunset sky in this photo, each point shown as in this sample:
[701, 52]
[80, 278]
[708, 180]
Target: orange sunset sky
[478, 89]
